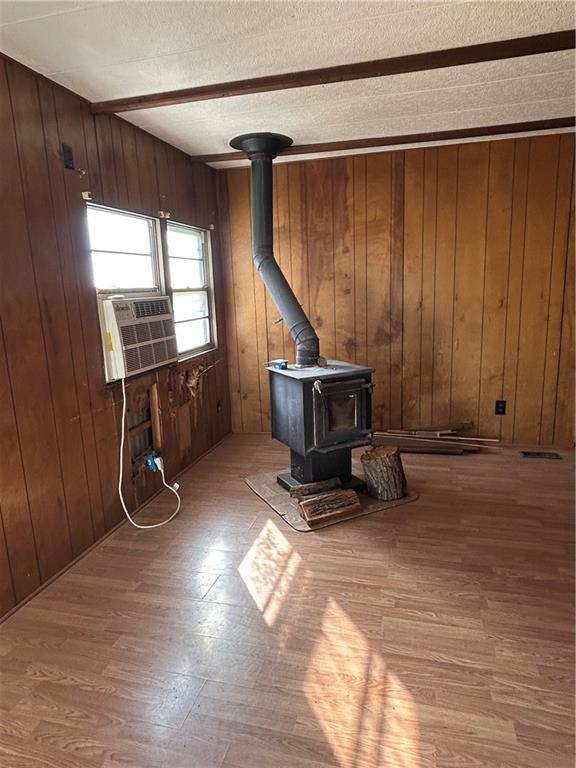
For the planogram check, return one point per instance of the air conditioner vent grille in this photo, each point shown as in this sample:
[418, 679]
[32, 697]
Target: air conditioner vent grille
[128, 335]
[142, 332]
[151, 307]
[158, 329]
[132, 359]
[146, 355]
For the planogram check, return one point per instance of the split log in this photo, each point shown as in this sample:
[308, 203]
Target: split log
[383, 473]
[327, 505]
[311, 489]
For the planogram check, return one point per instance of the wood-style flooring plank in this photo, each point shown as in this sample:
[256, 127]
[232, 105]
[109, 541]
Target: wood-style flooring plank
[433, 635]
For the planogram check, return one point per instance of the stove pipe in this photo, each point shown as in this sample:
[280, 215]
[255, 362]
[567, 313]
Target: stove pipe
[261, 149]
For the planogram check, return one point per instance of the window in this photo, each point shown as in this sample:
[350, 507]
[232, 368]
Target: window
[124, 251]
[190, 274]
[127, 258]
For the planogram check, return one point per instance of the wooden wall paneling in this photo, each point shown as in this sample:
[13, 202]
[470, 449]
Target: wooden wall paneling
[14, 507]
[56, 172]
[91, 160]
[360, 278]
[283, 238]
[106, 158]
[378, 239]
[413, 229]
[46, 264]
[429, 225]
[496, 268]
[396, 289]
[119, 163]
[233, 357]
[274, 324]
[7, 596]
[202, 194]
[27, 359]
[469, 280]
[149, 195]
[59, 422]
[560, 253]
[449, 290]
[222, 413]
[319, 228]
[344, 278]
[134, 199]
[540, 213]
[447, 185]
[105, 417]
[183, 176]
[514, 290]
[564, 427]
[243, 285]
[163, 175]
[298, 241]
[262, 305]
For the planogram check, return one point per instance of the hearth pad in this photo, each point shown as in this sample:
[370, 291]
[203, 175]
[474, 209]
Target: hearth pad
[266, 486]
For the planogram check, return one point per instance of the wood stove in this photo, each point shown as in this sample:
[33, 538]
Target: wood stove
[320, 409]
[321, 413]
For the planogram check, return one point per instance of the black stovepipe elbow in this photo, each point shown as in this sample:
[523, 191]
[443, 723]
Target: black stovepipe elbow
[261, 149]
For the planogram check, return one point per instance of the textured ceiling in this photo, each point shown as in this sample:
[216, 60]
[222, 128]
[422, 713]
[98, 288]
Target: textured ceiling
[107, 50]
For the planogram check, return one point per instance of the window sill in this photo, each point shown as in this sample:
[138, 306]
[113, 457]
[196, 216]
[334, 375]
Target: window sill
[186, 356]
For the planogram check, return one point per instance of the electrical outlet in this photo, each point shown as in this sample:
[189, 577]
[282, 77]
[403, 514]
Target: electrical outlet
[500, 409]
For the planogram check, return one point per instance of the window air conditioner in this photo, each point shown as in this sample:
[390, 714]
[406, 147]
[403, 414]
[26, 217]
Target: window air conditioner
[137, 335]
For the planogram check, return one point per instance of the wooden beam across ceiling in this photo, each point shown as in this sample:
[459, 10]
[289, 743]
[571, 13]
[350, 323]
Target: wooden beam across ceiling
[416, 62]
[458, 134]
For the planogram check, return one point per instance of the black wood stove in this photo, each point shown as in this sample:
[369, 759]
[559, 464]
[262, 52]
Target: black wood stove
[321, 413]
[321, 409]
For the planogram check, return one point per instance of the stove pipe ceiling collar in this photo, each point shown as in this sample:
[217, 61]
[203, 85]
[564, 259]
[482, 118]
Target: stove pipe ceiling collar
[261, 149]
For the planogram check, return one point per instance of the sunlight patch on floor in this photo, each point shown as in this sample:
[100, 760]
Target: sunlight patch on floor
[268, 570]
[365, 712]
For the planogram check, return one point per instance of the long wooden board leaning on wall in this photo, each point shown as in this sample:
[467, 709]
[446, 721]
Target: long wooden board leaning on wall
[450, 270]
[59, 423]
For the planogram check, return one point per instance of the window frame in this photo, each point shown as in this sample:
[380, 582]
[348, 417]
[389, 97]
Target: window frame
[156, 255]
[208, 287]
[160, 255]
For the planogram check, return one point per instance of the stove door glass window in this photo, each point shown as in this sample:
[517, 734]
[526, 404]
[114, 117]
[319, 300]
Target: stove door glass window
[342, 411]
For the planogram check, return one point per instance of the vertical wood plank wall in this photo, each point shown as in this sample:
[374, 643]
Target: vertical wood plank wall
[59, 423]
[450, 270]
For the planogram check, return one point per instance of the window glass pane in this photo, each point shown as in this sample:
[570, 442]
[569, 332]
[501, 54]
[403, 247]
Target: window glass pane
[189, 306]
[110, 231]
[192, 334]
[185, 273]
[122, 271]
[185, 243]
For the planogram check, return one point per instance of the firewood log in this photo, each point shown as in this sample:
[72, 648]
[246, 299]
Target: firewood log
[383, 473]
[327, 504]
[311, 489]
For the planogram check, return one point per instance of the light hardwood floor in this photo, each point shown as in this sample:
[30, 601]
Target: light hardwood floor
[435, 635]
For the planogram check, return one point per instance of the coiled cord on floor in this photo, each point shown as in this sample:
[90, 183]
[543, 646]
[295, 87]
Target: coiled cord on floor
[159, 463]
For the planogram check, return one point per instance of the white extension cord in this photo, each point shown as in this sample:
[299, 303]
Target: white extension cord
[159, 463]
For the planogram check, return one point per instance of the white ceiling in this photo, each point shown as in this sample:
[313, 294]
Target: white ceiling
[107, 50]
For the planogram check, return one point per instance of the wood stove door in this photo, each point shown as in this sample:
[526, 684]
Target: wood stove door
[341, 411]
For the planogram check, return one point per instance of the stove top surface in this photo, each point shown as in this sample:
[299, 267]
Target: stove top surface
[332, 370]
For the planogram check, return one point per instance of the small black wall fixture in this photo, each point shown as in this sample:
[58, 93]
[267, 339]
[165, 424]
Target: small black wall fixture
[261, 149]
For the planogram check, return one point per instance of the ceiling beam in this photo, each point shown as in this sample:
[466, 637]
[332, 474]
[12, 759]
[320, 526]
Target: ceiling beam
[416, 62]
[413, 138]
